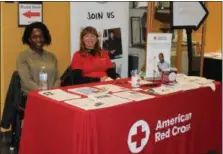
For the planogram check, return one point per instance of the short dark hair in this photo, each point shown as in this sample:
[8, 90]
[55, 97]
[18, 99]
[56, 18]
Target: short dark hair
[161, 54]
[28, 30]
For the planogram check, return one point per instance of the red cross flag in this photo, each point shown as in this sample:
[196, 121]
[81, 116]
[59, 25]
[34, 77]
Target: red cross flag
[138, 136]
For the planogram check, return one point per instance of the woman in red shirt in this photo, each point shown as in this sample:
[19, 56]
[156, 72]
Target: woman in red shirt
[91, 63]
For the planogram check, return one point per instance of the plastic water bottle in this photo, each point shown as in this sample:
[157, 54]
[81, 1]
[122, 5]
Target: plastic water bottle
[43, 79]
[135, 79]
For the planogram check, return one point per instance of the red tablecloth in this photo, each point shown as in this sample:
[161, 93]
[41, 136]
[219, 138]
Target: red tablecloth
[52, 127]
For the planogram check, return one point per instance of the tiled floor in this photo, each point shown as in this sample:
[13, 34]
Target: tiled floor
[4, 144]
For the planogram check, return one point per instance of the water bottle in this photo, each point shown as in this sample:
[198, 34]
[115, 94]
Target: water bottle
[43, 79]
[135, 79]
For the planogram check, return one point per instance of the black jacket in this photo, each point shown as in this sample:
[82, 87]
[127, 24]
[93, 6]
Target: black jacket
[71, 77]
[67, 78]
[13, 98]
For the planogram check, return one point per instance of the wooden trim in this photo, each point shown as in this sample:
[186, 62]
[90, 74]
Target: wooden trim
[203, 43]
[150, 18]
[179, 50]
[1, 60]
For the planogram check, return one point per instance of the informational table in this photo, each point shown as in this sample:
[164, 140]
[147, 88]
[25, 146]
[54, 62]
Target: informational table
[186, 122]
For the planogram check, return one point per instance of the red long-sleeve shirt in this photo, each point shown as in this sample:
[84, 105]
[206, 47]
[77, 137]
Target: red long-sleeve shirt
[92, 66]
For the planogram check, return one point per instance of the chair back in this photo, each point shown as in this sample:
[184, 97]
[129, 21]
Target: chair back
[13, 99]
[67, 77]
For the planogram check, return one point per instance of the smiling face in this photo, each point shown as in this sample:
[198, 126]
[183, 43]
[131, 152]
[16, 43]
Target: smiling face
[36, 39]
[89, 40]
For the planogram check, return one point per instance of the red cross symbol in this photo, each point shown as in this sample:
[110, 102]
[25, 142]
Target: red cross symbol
[138, 136]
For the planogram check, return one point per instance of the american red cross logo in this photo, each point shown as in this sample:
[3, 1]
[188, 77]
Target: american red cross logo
[138, 136]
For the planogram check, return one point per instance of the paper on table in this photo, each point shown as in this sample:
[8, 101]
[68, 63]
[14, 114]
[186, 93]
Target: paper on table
[195, 78]
[207, 83]
[143, 82]
[196, 81]
[84, 103]
[58, 94]
[181, 78]
[110, 99]
[133, 95]
[204, 82]
[212, 86]
[163, 89]
[136, 89]
[111, 88]
[85, 90]
[97, 102]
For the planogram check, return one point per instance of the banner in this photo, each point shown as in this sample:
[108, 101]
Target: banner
[111, 19]
[158, 53]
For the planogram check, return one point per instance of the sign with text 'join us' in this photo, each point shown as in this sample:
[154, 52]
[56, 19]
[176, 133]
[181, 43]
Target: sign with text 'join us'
[29, 13]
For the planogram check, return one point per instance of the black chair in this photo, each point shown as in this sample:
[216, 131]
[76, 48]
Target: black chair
[67, 77]
[15, 102]
[71, 77]
[13, 112]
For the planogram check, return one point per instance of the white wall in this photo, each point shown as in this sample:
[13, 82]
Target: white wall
[135, 13]
[140, 52]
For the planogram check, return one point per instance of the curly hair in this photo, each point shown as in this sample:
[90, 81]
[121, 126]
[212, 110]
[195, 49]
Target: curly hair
[85, 31]
[28, 31]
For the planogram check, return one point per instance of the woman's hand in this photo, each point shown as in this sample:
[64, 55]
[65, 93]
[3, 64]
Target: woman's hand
[108, 79]
[103, 78]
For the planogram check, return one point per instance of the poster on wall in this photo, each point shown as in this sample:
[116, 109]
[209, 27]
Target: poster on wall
[158, 53]
[111, 20]
[112, 42]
